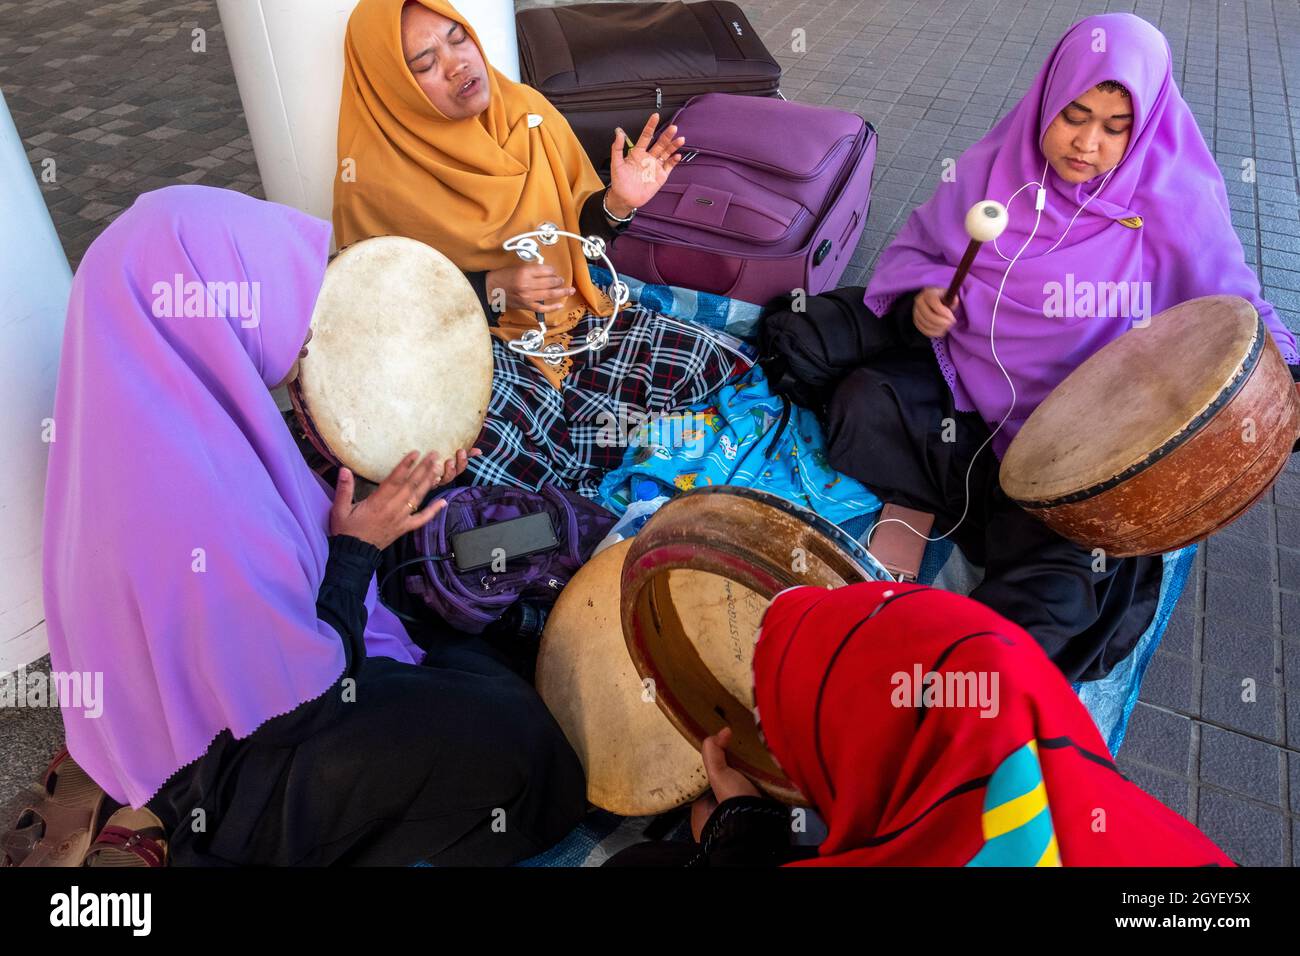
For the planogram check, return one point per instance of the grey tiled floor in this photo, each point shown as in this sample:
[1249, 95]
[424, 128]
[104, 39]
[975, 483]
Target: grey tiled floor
[112, 92]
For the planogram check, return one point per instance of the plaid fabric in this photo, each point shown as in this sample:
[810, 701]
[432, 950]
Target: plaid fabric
[572, 437]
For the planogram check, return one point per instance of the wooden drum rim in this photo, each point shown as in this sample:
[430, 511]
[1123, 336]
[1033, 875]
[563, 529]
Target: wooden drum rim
[1229, 391]
[303, 416]
[692, 532]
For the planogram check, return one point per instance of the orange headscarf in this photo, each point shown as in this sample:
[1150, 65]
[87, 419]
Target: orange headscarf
[462, 186]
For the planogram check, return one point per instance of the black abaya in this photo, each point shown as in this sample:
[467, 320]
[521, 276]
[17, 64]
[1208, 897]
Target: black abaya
[456, 761]
[892, 424]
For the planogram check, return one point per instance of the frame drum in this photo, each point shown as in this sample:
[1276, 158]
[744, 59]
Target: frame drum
[696, 582]
[635, 760]
[400, 358]
[1163, 436]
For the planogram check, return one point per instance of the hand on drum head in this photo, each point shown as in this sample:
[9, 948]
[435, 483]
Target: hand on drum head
[530, 286]
[393, 508]
[930, 316]
[724, 782]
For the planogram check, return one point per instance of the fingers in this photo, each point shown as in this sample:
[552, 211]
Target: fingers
[931, 316]
[547, 300]
[643, 141]
[668, 144]
[544, 290]
[455, 467]
[616, 150]
[429, 475]
[343, 491]
[425, 515]
[400, 474]
[714, 751]
[540, 274]
[541, 308]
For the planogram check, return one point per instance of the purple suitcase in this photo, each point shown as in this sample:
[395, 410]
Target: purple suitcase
[771, 196]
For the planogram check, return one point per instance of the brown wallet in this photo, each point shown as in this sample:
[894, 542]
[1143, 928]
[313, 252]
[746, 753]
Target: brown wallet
[896, 545]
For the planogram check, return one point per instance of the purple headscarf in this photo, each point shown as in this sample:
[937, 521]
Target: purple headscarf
[185, 536]
[1185, 246]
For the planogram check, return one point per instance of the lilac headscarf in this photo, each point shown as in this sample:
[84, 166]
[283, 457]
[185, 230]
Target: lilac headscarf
[185, 536]
[1185, 246]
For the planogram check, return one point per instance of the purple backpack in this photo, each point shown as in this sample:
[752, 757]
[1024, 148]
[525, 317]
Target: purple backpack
[471, 600]
[771, 196]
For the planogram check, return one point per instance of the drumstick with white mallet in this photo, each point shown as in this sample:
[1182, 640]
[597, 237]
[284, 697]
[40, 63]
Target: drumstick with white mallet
[984, 222]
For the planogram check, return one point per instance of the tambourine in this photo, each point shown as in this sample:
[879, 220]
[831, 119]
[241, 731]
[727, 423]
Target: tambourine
[532, 343]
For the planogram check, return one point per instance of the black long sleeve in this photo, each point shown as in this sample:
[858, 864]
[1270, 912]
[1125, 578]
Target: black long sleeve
[748, 831]
[591, 222]
[340, 603]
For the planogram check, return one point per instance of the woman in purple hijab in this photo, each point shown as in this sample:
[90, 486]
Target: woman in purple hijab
[255, 696]
[1131, 201]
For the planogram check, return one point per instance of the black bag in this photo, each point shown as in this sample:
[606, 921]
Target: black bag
[606, 65]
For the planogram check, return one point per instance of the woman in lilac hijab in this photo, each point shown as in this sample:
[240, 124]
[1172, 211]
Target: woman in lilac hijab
[255, 696]
[915, 397]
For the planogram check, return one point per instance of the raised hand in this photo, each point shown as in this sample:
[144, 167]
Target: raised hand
[638, 175]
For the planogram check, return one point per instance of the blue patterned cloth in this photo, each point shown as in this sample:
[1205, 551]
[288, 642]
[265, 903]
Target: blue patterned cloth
[716, 312]
[734, 441]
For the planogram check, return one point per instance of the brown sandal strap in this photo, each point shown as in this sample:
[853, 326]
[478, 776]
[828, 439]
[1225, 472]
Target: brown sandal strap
[142, 843]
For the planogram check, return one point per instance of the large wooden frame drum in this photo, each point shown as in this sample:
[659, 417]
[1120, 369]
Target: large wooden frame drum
[695, 583]
[1163, 436]
[400, 358]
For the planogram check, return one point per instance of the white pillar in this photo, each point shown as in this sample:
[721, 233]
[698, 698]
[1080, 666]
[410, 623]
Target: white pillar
[288, 59]
[35, 283]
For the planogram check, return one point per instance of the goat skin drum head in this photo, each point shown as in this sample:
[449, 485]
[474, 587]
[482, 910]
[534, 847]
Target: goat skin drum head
[635, 760]
[400, 358]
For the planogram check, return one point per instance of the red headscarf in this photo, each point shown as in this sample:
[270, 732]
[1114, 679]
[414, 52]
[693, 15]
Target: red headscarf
[1013, 774]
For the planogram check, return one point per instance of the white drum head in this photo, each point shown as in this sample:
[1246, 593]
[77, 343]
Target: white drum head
[400, 358]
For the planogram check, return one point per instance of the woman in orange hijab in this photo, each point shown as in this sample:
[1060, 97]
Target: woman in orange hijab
[437, 145]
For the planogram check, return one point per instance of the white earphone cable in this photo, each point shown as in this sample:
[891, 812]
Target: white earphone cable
[1039, 205]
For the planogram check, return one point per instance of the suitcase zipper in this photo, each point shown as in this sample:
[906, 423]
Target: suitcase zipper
[613, 96]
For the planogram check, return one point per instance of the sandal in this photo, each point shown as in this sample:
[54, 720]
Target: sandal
[56, 820]
[130, 838]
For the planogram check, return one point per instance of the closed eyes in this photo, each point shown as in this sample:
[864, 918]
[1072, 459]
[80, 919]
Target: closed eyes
[1083, 118]
[456, 36]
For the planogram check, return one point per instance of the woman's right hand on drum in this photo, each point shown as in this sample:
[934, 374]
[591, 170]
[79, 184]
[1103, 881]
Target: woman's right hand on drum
[530, 286]
[930, 316]
[393, 508]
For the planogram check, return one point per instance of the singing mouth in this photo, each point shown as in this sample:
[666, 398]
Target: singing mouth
[469, 87]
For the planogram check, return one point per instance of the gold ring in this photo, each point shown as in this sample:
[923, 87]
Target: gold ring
[412, 507]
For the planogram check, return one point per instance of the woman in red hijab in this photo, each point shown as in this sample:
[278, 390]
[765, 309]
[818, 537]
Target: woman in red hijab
[926, 730]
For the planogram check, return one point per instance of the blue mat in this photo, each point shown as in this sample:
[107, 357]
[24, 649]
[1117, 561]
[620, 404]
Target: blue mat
[1112, 699]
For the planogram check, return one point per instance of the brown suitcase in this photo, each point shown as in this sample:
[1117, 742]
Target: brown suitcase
[605, 65]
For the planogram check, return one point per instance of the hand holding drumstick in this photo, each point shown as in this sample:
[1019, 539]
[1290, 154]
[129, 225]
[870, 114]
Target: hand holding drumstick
[932, 309]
